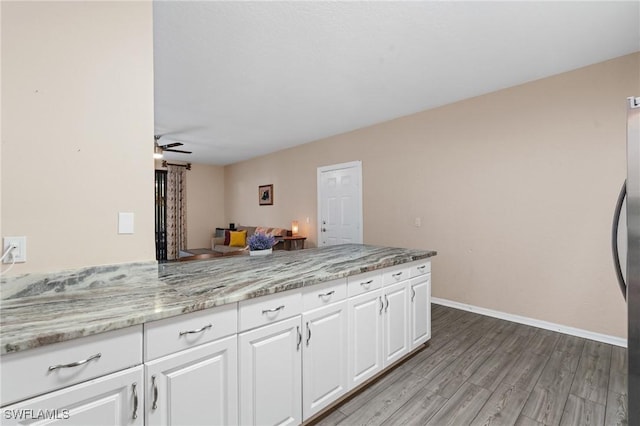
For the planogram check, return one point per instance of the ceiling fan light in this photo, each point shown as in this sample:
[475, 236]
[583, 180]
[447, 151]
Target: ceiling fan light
[157, 153]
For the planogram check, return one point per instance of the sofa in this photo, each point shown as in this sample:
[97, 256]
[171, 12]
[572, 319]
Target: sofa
[218, 242]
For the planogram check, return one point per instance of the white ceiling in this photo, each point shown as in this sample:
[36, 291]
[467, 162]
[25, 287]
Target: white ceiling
[236, 80]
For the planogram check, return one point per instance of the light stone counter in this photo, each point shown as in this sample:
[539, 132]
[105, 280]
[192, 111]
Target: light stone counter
[40, 309]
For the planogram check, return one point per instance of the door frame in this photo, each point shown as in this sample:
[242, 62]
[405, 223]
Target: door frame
[349, 165]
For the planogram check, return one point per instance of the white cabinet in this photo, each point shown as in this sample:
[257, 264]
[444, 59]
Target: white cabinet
[365, 336]
[115, 399]
[324, 357]
[388, 316]
[196, 386]
[50, 367]
[270, 370]
[420, 310]
[397, 327]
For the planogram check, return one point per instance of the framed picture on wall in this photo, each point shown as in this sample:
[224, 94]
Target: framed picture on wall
[265, 195]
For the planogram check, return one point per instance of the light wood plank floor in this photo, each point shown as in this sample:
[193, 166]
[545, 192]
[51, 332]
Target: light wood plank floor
[478, 370]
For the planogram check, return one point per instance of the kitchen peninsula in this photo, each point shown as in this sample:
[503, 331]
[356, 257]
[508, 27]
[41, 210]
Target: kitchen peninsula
[134, 331]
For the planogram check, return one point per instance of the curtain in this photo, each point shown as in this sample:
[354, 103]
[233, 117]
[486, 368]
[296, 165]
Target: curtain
[176, 211]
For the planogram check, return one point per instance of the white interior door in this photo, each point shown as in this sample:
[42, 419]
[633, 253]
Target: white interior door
[340, 204]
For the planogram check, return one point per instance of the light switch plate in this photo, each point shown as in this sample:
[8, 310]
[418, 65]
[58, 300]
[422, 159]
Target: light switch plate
[125, 223]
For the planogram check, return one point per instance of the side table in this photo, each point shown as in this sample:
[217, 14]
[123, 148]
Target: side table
[293, 243]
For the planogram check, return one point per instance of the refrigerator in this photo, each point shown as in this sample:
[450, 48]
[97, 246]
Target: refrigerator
[625, 242]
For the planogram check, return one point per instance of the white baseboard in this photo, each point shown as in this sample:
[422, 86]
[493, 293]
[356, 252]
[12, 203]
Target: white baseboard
[612, 340]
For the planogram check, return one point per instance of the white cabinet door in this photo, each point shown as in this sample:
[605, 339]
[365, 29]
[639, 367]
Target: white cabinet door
[271, 374]
[197, 386]
[420, 310]
[365, 336]
[115, 399]
[396, 322]
[324, 357]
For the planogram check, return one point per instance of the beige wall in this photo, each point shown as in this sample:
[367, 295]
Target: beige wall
[205, 204]
[77, 114]
[515, 190]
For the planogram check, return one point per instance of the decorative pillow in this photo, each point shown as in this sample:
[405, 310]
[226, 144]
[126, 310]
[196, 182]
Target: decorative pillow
[238, 238]
[278, 232]
[227, 238]
[262, 230]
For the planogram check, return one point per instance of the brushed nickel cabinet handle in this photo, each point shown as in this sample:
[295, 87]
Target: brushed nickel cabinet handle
[308, 333]
[421, 267]
[299, 337]
[154, 405]
[135, 400]
[75, 364]
[326, 294]
[366, 282]
[381, 306]
[397, 274]
[200, 330]
[266, 311]
[413, 293]
[386, 308]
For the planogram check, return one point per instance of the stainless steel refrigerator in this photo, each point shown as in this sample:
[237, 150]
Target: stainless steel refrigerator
[625, 244]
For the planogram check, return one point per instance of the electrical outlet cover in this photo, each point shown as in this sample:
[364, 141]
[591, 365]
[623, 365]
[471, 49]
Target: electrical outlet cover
[19, 253]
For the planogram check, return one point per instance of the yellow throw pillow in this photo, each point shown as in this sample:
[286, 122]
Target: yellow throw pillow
[238, 238]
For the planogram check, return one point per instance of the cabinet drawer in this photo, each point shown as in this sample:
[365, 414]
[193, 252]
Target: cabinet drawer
[362, 283]
[395, 275]
[185, 331]
[419, 268]
[324, 294]
[269, 309]
[33, 372]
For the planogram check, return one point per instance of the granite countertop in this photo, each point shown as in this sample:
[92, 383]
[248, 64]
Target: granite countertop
[40, 309]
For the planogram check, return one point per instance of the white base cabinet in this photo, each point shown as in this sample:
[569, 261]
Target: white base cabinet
[365, 336]
[197, 386]
[420, 310]
[324, 357]
[271, 374]
[115, 399]
[396, 328]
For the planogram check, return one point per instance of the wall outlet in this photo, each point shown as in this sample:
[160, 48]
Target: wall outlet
[19, 254]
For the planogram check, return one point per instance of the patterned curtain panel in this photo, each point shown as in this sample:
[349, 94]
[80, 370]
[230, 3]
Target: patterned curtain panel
[176, 211]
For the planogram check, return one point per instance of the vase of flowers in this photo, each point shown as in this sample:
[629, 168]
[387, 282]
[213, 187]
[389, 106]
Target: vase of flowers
[260, 244]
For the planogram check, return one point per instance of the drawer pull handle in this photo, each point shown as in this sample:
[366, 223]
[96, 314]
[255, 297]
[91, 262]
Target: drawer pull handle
[155, 392]
[200, 330]
[326, 294]
[381, 306]
[308, 333]
[421, 267]
[299, 337]
[397, 274]
[75, 364]
[386, 308]
[135, 400]
[366, 283]
[266, 311]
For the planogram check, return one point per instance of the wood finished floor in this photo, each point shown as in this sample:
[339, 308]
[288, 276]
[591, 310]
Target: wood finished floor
[479, 370]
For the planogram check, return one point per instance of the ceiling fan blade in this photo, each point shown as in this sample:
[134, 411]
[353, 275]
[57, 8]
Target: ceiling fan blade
[177, 150]
[171, 145]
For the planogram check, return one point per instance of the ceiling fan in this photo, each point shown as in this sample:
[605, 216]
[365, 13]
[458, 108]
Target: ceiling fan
[159, 149]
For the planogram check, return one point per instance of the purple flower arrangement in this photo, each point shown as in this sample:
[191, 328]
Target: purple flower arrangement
[260, 241]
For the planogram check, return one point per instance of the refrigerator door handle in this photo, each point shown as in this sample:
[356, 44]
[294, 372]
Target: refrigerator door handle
[614, 240]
